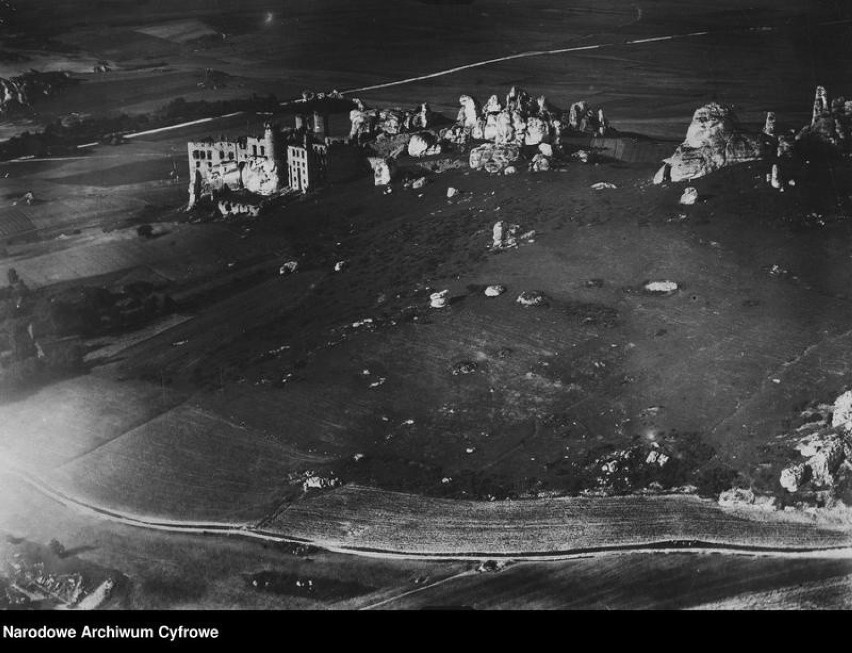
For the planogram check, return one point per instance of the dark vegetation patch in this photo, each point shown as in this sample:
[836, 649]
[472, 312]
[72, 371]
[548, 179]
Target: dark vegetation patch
[60, 138]
[41, 331]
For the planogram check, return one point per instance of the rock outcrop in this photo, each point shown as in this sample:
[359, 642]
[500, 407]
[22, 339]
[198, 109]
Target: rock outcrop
[713, 140]
[831, 123]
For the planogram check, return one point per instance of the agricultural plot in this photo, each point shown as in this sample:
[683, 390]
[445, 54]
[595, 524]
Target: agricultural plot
[369, 519]
[189, 465]
[70, 418]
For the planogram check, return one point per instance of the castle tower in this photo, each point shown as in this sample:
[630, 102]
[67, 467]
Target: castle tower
[320, 124]
[269, 139]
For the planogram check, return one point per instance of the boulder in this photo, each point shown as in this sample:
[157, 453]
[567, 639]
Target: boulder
[689, 197]
[540, 163]
[660, 287]
[423, 144]
[493, 158]
[495, 291]
[504, 235]
[439, 299]
[736, 497]
[530, 298]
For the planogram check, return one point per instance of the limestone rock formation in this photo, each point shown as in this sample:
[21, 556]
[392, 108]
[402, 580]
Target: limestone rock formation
[793, 477]
[383, 170]
[841, 416]
[713, 140]
[468, 113]
[831, 122]
[363, 123]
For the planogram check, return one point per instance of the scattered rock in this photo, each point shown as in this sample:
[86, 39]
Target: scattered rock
[289, 267]
[744, 498]
[439, 299]
[656, 457]
[491, 566]
[540, 163]
[313, 481]
[494, 291]
[464, 367]
[418, 183]
[602, 185]
[660, 287]
[452, 192]
[736, 497]
[340, 266]
[530, 298]
[582, 156]
[689, 197]
[510, 170]
[504, 235]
